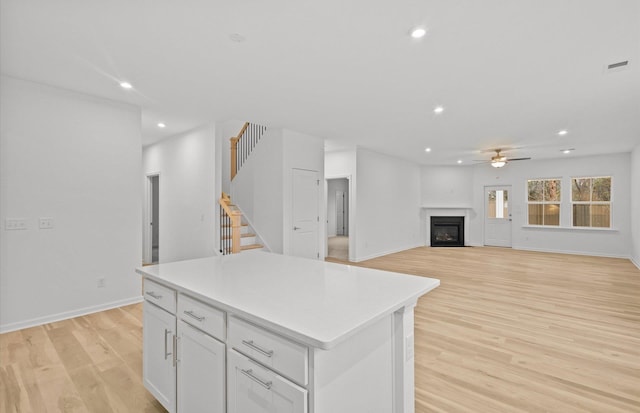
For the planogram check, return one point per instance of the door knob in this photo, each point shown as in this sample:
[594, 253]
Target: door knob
[295, 228]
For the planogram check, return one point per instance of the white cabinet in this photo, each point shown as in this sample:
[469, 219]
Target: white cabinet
[158, 355]
[252, 388]
[201, 371]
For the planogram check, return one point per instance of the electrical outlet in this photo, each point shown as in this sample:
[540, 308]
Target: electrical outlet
[11, 224]
[46, 223]
[102, 283]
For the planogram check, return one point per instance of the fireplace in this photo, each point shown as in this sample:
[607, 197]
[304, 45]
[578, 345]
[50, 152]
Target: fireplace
[447, 231]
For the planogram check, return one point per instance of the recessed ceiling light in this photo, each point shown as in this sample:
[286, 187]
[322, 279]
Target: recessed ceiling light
[418, 32]
[126, 85]
[459, 160]
[427, 149]
[566, 151]
[563, 132]
[438, 110]
[161, 125]
[237, 37]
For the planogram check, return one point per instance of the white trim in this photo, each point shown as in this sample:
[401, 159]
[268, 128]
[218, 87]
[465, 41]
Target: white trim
[68, 314]
[369, 257]
[634, 262]
[350, 217]
[446, 206]
[147, 231]
[589, 254]
[552, 227]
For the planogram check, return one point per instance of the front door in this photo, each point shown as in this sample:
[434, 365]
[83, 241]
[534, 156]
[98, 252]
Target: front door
[497, 217]
[304, 240]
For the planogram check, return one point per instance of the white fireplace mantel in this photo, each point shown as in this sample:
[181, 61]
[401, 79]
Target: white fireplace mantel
[430, 210]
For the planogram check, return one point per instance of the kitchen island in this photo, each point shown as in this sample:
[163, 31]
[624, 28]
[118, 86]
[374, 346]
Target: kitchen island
[261, 332]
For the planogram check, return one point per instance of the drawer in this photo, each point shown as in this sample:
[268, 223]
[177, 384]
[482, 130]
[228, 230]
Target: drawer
[202, 316]
[160, 295]
[282, 355]
[253, 388]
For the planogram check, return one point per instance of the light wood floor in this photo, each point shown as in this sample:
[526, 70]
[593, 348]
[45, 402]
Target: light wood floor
[507, 331]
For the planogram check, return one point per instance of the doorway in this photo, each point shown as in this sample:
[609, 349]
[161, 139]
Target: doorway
[497, 217]
[338, 218]
[152, 221]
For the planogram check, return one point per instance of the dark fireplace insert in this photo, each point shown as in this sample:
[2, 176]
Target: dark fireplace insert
[447, 231]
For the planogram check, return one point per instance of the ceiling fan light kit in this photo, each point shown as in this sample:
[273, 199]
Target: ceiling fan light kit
[499, 160]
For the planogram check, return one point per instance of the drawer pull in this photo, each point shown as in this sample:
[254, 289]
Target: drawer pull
[268, 353]
[249, 373]
[154, 295]
[191, 314]
[166, 332]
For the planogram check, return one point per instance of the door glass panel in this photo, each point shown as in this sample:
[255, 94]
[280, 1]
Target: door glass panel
[498, 204]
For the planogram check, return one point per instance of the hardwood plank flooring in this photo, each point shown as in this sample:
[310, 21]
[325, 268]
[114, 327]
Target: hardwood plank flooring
[86, 364]
[507, 331]
[519, 331]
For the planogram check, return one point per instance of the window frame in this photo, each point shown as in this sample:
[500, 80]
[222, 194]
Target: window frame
[543, 202]
[591, 202]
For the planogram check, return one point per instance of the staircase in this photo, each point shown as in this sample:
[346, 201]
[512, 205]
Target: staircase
[236, 235]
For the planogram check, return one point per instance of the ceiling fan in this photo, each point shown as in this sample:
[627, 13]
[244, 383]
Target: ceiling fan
[499, 160]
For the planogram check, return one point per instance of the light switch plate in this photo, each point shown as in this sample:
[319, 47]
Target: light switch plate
[11, 224]
[46, 223]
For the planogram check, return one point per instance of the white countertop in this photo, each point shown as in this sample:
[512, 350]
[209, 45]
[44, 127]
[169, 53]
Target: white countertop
[317, 303]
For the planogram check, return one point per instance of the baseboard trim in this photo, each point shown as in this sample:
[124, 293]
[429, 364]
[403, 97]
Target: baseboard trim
[636, 263]
[372, 256]
[6, 328]
[590, 254]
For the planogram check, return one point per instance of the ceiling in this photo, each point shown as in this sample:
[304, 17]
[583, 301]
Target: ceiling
[509, 73]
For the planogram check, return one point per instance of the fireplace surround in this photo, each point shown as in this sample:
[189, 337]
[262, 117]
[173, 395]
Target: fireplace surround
[447, 231]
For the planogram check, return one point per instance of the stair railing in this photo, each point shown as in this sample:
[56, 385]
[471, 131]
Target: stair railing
[230, 226]
[243, 144]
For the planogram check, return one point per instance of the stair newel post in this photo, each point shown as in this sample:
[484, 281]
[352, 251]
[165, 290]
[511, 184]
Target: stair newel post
[234, 156]
[236, 224]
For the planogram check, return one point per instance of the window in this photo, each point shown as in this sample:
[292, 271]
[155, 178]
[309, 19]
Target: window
[544, 201]
[591, 202]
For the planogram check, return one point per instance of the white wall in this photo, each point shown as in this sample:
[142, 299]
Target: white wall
[635, 205]
[446, 191]
[388, 208]
[302, 152]
[74, 158]
[258, 189]
[446, 186]
[186, 165]
[334, 185]
[591, 242]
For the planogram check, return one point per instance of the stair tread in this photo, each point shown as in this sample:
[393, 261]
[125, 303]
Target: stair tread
[251, 247]
[247, 235]
[242, 225]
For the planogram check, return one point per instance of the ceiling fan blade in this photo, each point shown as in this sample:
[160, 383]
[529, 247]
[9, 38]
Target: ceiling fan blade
[517, 159]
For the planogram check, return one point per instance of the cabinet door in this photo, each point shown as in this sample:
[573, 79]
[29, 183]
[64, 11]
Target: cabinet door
[252, 388]
[158, 367]
[201, 371]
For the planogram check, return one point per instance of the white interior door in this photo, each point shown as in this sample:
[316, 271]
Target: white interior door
[305, 214]
[340, 213]
[497, 217]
